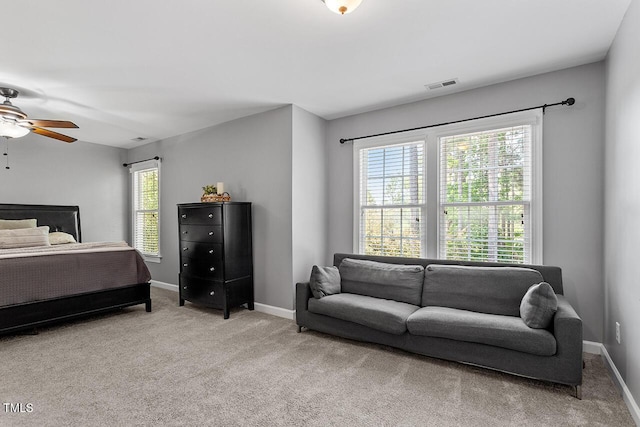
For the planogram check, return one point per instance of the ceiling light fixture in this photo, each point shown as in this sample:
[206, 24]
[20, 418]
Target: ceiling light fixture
[14, 122]
[9, 116]
[342, 6]
[10, 129]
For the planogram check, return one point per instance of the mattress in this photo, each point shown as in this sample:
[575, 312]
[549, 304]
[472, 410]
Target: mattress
[42, 273]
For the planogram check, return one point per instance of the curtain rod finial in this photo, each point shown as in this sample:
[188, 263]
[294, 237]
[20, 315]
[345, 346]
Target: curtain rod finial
[343, 140]
[570, 101]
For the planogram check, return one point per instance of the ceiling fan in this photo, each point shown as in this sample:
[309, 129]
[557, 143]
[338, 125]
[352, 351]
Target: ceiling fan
[15, 124]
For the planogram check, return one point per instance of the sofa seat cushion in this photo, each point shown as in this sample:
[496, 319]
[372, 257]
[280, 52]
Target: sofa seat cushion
[491, 329]
[396, 282]
[376, 313]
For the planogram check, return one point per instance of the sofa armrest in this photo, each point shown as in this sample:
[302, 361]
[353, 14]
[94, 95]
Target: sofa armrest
[303, 293]
[567, 328]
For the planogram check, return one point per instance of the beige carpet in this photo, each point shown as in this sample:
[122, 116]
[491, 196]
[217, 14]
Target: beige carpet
[188, 366]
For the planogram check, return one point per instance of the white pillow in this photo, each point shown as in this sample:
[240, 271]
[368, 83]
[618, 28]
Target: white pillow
[24, 237]
[59, 238]
[14, 224]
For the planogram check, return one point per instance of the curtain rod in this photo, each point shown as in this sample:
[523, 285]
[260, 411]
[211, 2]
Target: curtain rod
[140, 161]
[568, 101]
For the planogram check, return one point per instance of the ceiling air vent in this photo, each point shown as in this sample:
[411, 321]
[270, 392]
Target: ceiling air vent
[442, 84]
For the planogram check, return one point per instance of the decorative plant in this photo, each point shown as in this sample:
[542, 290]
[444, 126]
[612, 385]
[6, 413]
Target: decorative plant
[209, 189]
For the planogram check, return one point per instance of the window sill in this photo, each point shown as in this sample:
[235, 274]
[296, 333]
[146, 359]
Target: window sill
[151, 258]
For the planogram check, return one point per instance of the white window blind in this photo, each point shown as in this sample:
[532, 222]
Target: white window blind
[146, 215]
[391, 202]
[486, 194]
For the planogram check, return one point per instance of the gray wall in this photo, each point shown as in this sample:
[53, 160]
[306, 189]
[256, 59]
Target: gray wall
[50, 172]
[253, 157]
[573, 170]
[622, 185]
[309, 193]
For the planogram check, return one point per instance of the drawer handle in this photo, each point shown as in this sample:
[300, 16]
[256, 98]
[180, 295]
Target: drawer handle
[184, 287]
[211, 251]
[184, 216]
[184, 232]
[185, 264]
[210, 215]
[212, 293]
[211, 233]
[185, 249]
[212, 269]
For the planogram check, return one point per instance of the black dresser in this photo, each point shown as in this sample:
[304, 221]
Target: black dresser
[216, 258]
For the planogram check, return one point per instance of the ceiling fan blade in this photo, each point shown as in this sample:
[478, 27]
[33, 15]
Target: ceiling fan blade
[51, 134]
[49, 123]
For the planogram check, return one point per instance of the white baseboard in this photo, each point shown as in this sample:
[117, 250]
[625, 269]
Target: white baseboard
[275, 311]
[592, 347]
[262, 308]
[617, 378]
[163, 285]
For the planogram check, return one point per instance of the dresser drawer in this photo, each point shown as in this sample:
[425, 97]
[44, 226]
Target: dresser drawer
[210, 268]
[202, 215]
[201, 233]
[202, 291]
[208, 251]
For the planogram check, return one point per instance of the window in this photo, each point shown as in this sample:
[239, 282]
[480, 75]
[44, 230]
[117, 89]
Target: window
[485, 195]
[391, 203]
[145, 180]
[481, 202]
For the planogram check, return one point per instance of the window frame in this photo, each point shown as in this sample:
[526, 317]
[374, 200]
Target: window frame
[378, 142]
[133, 170]
[430, 243]
[532, 118]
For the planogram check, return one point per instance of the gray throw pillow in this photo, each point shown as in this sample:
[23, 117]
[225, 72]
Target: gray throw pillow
[324, 281]
[538, 306]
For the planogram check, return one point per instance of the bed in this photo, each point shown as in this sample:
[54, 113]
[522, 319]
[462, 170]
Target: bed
[42, 285]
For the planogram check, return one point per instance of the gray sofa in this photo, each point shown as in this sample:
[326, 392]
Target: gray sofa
[461, 311]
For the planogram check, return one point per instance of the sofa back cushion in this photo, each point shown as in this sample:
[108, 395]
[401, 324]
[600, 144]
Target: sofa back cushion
[493, 290]
[381, 280]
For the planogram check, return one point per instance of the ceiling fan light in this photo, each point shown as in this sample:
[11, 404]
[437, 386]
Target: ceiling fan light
[10, 111]
[10, 129]
[342, 6]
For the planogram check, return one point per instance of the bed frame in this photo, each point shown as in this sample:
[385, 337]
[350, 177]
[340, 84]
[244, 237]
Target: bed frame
[32, 315]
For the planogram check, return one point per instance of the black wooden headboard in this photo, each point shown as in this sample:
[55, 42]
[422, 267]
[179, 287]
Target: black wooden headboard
[58, 218]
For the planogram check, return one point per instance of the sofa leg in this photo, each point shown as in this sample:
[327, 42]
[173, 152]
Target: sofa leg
[299, 328]
[579, 392]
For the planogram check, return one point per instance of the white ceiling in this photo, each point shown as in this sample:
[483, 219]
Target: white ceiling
[121, 69]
